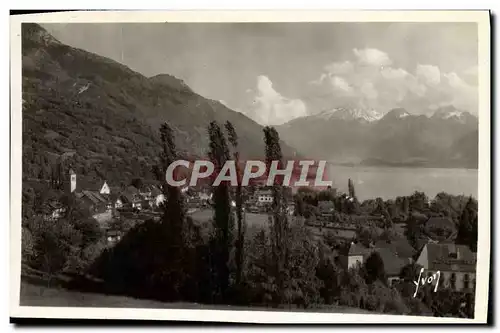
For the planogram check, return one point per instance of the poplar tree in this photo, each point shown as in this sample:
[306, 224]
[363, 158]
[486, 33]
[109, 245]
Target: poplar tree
[467, 228]
[219, 154]
[352, 193]
[241, 227]
[174, 214]
[280, 228]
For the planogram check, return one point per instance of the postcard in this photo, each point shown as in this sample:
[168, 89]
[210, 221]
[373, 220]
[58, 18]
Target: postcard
[251, 166]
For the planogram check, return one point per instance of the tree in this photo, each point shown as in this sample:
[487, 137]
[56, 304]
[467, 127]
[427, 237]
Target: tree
[278, 218]
[368, 234]
[374, 267]
[406, 206]
[56, 244]
[299, 205]
[418, 201]
[350, 185]
[168, 267]
[240, 240]
[223, 221]
[174, 214]
[467, 228]
[414, 228]
[137, 183]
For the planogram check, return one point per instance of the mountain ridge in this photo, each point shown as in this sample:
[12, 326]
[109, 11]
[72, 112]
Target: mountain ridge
[443, 139]
[109, 115]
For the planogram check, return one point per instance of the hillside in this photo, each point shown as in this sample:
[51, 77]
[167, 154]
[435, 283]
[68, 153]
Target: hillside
[448, 138]
[103, 118]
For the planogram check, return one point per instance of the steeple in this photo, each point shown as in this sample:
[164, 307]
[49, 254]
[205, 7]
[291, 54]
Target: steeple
[72, 178]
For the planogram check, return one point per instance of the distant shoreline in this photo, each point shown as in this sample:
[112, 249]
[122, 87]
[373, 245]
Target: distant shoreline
[400, 165]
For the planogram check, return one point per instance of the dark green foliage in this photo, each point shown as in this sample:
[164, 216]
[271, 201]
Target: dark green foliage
[68, 244]
[374, 267]
[107, 128]
[301, 286]
[223, 218]
[278, 217]
[410, 272]
[415, 228]
[467, 228]
[174, 215]
[144, 264]
[418, 201]
[112, 125]
[137, 183]
[352, 192]
[367, 235]
[330, 274]
[241, 226]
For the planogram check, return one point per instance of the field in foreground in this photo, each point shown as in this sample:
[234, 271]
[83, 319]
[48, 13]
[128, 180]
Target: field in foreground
[36, 295]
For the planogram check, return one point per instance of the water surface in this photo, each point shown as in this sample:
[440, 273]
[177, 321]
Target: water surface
[390, 182]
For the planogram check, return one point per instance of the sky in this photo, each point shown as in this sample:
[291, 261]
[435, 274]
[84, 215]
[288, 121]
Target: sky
[275, 72]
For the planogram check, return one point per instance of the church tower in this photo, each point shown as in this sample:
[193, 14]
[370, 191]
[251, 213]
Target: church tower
[72, 179]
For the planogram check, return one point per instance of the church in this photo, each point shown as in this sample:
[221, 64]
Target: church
[96, 198]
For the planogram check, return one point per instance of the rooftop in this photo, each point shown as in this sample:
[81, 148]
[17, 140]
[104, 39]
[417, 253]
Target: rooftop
[451, 257]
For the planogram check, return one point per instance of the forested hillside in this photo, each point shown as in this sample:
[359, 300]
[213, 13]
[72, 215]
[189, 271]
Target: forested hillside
[102, 118]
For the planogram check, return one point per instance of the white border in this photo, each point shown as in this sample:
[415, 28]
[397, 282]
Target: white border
[482, 274]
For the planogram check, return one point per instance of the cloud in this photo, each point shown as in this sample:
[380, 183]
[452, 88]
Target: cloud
[372, 57]
[394, 73]
[370, 80]
[429, 73]
[460, 93]
[340, 83]
[368, 90]
[340, 68]
[271, 108]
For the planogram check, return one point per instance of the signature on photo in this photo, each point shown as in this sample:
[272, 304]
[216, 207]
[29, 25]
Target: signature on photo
[421, 281]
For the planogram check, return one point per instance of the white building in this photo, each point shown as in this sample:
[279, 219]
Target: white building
[456, 264]
[264, 196]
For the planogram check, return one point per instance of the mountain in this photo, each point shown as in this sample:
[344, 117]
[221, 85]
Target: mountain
[448, 138]
[451, 113]
[103, 118]
[342, 113]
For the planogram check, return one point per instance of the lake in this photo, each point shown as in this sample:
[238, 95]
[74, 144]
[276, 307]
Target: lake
[389, 182]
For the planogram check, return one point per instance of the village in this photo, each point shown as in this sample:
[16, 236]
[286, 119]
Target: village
[119, 209]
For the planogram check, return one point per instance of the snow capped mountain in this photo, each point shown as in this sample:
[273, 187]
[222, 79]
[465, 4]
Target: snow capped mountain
[452, 113]
[400, 137]
[368, 115]
[397, 113]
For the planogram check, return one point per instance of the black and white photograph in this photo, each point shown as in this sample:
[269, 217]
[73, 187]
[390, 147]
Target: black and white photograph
[329, 167]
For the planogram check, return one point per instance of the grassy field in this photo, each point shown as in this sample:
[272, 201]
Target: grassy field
[36, 295]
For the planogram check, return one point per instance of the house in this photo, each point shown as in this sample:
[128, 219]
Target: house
[357, 255]
[393, 263]
[152, 199]
[400, 247]
[204, 197]
[129, 197]
[97, 205]
[57, 210]
[119, 202]
[440, 228]
[264, 196]
[456, 264]
[326, 208]
[90, 194]
[160, 199]
[105, 189]
[113, 237]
